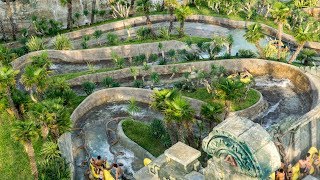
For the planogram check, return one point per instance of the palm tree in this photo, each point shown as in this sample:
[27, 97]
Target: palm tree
[145, 7]
[145, 68]
[179, 111]
[10, 16]
[133, 107]
[52, 117]
[155, 78]
[304, 33]
[134, 72]
[35, 79]
[6, 56]
[159, 102]
[229, 90]
[211, 112]
[7, 81]
[93, 12]
[171, 5]
[182, 13]
[68, 3]
[253, 35]
[25, 132]
[280, 13]
[230, 41]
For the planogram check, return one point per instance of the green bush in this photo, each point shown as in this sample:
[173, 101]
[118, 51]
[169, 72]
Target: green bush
[108, 81]
[54, 169]
[157, 128]
[35, 44]
[115, 84]
[144, 33]
[112, 39]
[245, 53]
[88, 87]
[138, 84]
[138, 60]
[62, 42]
[164, 33]
[153, 57]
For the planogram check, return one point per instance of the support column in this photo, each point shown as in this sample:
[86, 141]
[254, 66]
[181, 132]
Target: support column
[314, 132]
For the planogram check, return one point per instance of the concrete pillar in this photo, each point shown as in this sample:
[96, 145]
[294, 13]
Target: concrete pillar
[314, 132]
[296, 145]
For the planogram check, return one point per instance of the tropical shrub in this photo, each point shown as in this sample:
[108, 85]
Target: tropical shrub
[138, 60]
[164, 33]
[144, 33]
[35, 44]
[245, 53]
[157, 128]
[88, 87]
[112, 39]
[108, 81]
[62, 42]
[54, 169]
[138, 84]
[153, 57]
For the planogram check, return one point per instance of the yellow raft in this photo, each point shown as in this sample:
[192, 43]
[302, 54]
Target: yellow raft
[106, 173]
[296, 167]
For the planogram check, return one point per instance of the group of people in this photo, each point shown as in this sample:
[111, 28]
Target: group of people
[100, 165]
[306, 164]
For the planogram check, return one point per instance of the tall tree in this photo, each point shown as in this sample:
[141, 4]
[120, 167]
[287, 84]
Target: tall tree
[36, 75]
[68, 3]
[159, 103]
[182, 13]
[12, 23]
[211, 112]
[171, 5]
[93, 11]
[304, 33]
[230, 89]
[254, 35]
[7, 82]
[25, 132]
[179, 110]
[51, 116]
[280, 12]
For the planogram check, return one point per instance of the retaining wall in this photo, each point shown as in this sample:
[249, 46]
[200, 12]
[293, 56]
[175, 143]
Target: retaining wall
[99, 54]
[138, 21]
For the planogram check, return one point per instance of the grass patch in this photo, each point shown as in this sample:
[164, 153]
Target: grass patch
[14, 162]
[72, 75]
[202, 94]
[141, 133]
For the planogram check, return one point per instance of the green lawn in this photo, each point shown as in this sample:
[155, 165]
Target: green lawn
[14, 162]
[141, 133]
[203, 95]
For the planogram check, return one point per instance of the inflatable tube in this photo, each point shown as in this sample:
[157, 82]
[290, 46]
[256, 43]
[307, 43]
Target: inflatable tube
[146, 161]
[106, 173]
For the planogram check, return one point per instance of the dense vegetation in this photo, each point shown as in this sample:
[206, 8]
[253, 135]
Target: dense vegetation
[35, 113]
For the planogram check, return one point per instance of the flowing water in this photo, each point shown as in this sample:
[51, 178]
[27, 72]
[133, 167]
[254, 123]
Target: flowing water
[94, 136]
[284, 102]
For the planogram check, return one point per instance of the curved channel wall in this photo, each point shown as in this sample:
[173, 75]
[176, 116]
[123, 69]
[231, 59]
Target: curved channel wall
[304, 132]
[138, 21]
[99, 54]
